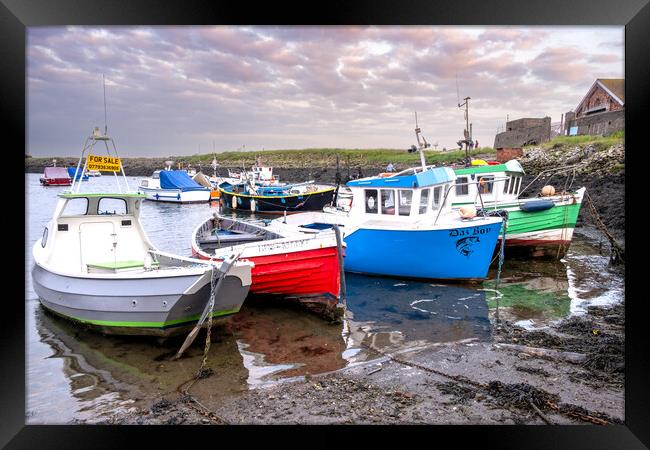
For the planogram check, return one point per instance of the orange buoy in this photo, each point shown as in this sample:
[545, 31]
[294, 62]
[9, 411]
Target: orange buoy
[548, 191]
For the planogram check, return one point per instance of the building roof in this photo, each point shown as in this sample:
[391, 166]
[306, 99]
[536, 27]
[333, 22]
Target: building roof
[429, 177]
[615, 87]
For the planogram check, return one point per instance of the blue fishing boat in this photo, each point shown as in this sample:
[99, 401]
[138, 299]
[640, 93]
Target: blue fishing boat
[404, 226]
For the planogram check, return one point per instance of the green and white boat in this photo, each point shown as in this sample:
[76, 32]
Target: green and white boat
[542, 224]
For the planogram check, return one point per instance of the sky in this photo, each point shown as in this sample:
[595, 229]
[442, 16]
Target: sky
[182, 90]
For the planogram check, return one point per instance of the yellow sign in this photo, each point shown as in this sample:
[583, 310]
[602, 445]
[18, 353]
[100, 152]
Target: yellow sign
[103, 163]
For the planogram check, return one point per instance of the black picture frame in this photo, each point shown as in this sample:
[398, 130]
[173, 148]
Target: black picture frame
[16, 15]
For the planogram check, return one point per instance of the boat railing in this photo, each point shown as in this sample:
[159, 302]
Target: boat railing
[453, 186]
[556, 170]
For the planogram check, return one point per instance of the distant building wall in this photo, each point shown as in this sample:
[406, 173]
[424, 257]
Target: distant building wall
[599, 123]
[524, 132]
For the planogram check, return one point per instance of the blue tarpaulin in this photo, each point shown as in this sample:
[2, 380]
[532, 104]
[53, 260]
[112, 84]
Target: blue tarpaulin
[179, 179]
[72, 172]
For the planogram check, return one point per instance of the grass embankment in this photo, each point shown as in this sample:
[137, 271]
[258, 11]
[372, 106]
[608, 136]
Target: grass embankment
[326, 157]
[600, 142]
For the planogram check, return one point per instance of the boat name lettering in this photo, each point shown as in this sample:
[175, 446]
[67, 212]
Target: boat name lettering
[282, 245]
[469, 231]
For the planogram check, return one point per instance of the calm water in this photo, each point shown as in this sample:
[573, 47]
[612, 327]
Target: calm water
[74, 374]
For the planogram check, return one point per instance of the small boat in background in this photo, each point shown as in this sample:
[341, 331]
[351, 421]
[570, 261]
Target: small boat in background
[289, 198]
[78, 176]
[55, 176]
[173, 186]
[93, 173]
[294, 264]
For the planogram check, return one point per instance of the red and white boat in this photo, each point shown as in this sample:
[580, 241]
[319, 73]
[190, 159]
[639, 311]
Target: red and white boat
[55, 176]
[297, 264]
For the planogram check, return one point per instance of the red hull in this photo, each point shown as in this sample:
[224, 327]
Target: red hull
[304, 273]
[56, 181]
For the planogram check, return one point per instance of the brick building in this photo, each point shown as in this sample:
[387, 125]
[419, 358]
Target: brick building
[601, 111]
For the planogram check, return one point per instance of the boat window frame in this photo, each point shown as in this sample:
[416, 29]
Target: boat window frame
[513, 184]
[518, 185]
[463, 185]
[46, 232]
[69, 202]
[506, 184]
[375, 199]
[435, 205]
[381, 195]
[426, 201]
[126, 206]
[398, 205]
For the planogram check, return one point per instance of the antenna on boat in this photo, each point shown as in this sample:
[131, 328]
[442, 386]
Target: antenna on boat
[467, 132]
[421, 145]
[105, 121]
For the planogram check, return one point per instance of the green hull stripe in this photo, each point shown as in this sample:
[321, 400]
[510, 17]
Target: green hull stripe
[109, 323]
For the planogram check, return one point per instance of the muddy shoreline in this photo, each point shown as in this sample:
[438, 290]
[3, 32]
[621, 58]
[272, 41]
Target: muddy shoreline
[570, 373]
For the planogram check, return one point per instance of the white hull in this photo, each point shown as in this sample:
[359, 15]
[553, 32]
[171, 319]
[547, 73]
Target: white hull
[175, 195]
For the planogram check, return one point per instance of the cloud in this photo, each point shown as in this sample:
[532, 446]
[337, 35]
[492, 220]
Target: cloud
[171, 89]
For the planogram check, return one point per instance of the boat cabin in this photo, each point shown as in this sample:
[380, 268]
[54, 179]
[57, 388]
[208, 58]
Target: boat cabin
[96, 233]
[408, 196]
[497, 183]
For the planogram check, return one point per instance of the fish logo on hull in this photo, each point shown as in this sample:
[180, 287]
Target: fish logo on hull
[464, 245]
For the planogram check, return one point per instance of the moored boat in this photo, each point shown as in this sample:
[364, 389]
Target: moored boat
[289, 198]
[292, 264]
[77, 175]
[174, 186]
[55, 176]
[543, 225]
[95, 265]
[403, 226]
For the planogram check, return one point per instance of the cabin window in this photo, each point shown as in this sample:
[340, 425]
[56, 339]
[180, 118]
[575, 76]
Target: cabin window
[371, 201]
[75, 207]
[388, 202]
[405, 198]
[486, 184]
[506, 184]
[436, 197]
[518, 185]
[424, 201]
[513, 182]
[44, 238]
[462, 188]
[111, 206]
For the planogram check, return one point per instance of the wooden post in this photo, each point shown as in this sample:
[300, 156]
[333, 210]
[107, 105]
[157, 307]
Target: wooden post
[339, 249]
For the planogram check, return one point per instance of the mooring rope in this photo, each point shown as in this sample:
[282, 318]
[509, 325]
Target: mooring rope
[618, 253]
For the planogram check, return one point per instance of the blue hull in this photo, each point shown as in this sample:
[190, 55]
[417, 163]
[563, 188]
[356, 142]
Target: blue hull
[452, 254]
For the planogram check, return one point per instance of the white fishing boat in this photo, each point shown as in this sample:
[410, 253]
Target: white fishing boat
[173, 186]
[95, 264]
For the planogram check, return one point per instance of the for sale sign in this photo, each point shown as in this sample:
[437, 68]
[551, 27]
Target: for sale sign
[104, 163]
